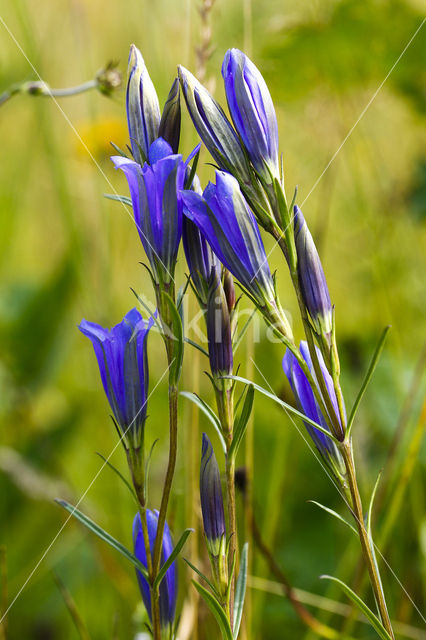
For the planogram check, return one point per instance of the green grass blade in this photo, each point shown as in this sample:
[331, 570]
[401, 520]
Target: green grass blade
[240, 590]
[172, 557]
[208, 411]
[103, 535]
[216, 610]
[368, 376]
[374, 621]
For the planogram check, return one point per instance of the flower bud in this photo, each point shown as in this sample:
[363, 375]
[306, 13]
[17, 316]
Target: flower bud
[213, 513]
[168, 586]
[170, 120]
[213, 127]
[143, 110]
[219, 332]
[200, 259]
[312, 279]
[252, 112]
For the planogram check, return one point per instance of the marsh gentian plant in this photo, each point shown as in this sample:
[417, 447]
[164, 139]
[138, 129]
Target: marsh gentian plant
[169, 584]
[121, 353]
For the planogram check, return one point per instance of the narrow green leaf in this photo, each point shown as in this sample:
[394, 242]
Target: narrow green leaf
[104, 535]
[120, 151]
[206, 580]
[335, 514]
[172, 557]
[208, 411]
[286, 406]
[370, 506]
[178, 341]
[368, 376]
[375, 622]
[123, 199]
[197, 346]
[120, 475]
[241, 423]
[188, 183]
[240, 590]
[243, 331]
[216, 610]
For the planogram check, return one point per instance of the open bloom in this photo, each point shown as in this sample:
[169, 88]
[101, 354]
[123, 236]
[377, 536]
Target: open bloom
[312, 279]
[252, 111]
[168, 586]
[226, 221]
[143, 110]
[122, 358]
[307, 404]
[157, 207]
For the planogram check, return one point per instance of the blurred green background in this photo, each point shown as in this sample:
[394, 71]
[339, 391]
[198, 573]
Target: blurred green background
[67, 253]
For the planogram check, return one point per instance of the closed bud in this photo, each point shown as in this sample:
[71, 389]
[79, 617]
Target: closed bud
[219, 333]
[170, 120]
[213, 513]
[214, 128]
[312, 279]
[200, 259]
[143, 110]
[252, 112]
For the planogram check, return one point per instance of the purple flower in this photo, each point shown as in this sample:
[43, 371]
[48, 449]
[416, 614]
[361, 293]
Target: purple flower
[307, 404]
[157, 207]
[168, 586]
[252, 111]
[200, 259]
[230, 228]
[211, 498]
[143, 110]
[312, 279]
[122, 358]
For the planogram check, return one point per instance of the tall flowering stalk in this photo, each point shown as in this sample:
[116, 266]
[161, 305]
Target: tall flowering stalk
[156, 176]
[249, 151]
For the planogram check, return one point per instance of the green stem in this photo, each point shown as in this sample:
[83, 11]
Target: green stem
[225, 406]
[365, 540]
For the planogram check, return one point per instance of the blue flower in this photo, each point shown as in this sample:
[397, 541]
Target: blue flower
[200, 259]
[229, 226]
[168, 586]
[312, 279]
[252, 112]
[143, 110]
[157, 207]
[122, 358]
[307, 404]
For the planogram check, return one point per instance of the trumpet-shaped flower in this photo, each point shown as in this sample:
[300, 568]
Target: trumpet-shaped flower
[122, 358]
[307, 404]
[168, 586]
[252, 112]
[226, 221]
[157, 207]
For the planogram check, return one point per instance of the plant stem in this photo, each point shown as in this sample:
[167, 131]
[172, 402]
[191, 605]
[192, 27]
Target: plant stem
[225, 406]
[366, 542]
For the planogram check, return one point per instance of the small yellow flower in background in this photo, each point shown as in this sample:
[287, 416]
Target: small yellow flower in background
[97, 136]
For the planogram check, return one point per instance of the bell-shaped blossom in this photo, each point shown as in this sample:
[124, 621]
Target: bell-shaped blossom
[157, 205]
[121, 353]
[228, 224]
[169, 584]
[143, 110]
[252, 112]
[312, 279]
[307, 403]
